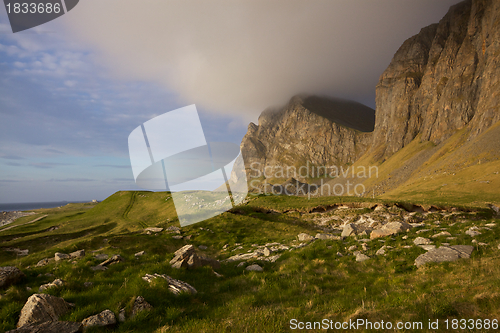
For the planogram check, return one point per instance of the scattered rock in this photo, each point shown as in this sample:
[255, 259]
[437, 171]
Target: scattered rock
[153, 229]
[87, 284]
[241, 264]
[40, 308]
[473, 232]
[50, 327]
[139, 254]
[390, 228]
[422, 241]
[98, 268]
[303, 237]
[140, 305]
[360, 256]
[242, 256]
[9, 275]
[423, 230]
[175, 286]
[491, 225]
[177, 237]
[113, 260]
[381, 251]
[267, 251]
[121, 316]
[101, 256]
[444, 253]
[202, 247]
[55, 283]
[60, 256]
[352, 248]
[43, 262]
[105, 318]
[428, 247]
[340, 254]
[349, 229]
[327, 237]
[442, 233]
[255, 268]
[77, 254]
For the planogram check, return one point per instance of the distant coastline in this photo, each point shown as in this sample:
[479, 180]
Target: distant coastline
[23, 206]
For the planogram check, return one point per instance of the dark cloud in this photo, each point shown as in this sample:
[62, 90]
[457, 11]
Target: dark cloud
[12, 157]
[239, 57]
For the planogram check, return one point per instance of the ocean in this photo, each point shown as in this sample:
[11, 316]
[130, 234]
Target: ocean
[8, 207]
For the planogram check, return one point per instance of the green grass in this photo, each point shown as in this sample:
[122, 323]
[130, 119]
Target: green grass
[308, 284]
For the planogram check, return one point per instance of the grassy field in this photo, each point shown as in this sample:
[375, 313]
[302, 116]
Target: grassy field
[311, 283]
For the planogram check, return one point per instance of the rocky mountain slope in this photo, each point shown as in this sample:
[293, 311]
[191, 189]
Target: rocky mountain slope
[436, 128]
[309, 129]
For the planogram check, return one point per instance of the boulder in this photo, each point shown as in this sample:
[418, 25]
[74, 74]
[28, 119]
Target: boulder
[444, 253]
[40, 308]
[105, 318]
[9, 275]
[61, 256]
[303, 237]
[50, 327]
[186, 257]
[140, 305]
[255, 268]
[175, 286]
[350, 229]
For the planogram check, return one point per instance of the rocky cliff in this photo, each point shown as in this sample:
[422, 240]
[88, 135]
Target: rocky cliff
[436, 131]
[309, 129]
[441, 80]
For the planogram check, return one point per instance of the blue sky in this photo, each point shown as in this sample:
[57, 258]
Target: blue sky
[72, 90]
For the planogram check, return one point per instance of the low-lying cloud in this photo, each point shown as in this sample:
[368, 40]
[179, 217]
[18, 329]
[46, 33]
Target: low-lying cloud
[239, 57]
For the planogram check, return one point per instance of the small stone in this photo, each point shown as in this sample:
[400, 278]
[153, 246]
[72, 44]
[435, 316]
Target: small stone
[255, 268]
[153, 229]
[77, 254]
[361, 257]
[352, 248]
[99, 268]
[340, 254]
[225, 246]
[405, 237]
[140, 305]
[60, 256]
[139, 254]
[121, 316]
[472, 232]
[267, 251]
[443, 233]
[381, 251]
[202, 247]
[177, 237]
[101, 256]
[241, 264]
[303, 237]
[87, 284]
[42, 262]
[105, 318]
[422, 241]
[427, 247]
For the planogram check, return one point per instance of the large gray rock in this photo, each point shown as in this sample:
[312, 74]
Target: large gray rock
[444, 253]
[42, 308]
[9, 275]
[50, 327]
[105, 318]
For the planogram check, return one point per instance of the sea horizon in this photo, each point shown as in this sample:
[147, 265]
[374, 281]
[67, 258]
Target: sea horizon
[23, 206]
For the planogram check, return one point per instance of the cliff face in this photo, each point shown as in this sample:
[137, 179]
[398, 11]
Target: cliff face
[314, 130]
[441, 80]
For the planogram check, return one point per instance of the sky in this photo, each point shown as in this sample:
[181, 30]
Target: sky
[73, 89]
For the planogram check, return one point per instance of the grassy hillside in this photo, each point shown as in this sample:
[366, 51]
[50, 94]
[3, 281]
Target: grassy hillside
[308, 283]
